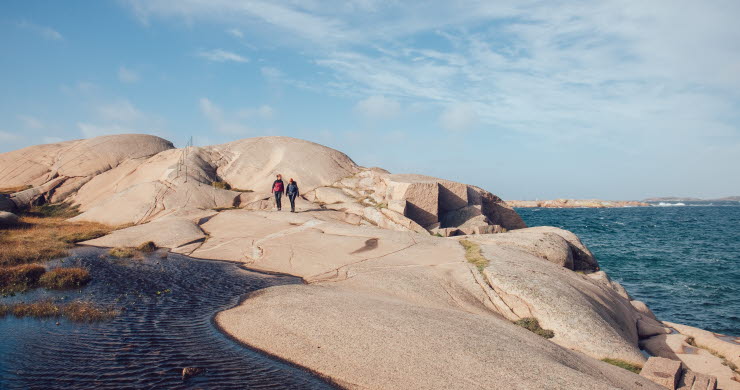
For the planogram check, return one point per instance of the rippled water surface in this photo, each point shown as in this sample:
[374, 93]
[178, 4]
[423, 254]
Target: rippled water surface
[682, 261]
[166, 325]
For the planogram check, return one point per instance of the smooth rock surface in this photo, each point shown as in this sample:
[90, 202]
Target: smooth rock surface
[584, 315]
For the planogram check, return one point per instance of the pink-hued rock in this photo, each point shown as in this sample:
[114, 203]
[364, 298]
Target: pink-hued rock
[662, 371]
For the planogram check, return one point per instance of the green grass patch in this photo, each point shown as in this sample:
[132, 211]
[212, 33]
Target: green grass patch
[474, 255]
[65, 278]
[533, 325]
[622, 364]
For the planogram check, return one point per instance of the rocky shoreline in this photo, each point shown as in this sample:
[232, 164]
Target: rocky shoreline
[575, 203]
[389, 301]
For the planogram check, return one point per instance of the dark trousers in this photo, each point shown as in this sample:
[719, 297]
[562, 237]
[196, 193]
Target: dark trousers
[292, 201]
[278, 198]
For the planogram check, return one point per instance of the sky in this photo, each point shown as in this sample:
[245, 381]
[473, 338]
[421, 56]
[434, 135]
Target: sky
[527, 99]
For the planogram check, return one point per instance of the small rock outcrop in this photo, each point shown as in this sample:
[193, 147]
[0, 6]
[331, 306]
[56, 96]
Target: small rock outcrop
[672, 375]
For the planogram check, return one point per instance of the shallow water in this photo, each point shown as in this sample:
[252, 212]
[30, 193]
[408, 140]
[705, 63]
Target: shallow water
[684, 262]
[158, 333]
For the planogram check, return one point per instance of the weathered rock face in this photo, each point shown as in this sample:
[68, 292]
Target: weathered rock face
[65, 167]
[379, 287]
[252, 163]
[583, 314]
[422, 200]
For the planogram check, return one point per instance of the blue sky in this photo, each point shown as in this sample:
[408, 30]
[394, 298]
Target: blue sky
[528, 99]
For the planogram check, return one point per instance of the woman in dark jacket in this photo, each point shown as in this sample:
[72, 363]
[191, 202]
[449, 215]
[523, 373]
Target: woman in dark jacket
[278, 190]
[293, 193]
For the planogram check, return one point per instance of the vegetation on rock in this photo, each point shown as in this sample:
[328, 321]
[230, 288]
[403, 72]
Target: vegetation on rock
[473, 254]
[623, 364]
[77, 311]
[63, 278]
[44, 234]
[20, 277]
[533, 325]
[122, 252]
[147, 247]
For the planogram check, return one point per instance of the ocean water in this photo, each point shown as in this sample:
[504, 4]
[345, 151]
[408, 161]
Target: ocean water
[683, 261]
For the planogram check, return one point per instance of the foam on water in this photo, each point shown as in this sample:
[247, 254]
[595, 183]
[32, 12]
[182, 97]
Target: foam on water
[684, 262]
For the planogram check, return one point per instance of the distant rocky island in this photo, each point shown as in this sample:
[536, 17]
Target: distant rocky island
[689, 199]
[410, 281]
[575, 203]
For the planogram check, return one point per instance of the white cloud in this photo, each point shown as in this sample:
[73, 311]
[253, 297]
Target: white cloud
[378, 107]
[127, 75]
[236, 33]
[31, 122]
[262, 112]
[120, 111]
[221, 123]
[220, 55]
[271, 73]
[458, 117]
[608, 70]
[7, 137]
[44, 31]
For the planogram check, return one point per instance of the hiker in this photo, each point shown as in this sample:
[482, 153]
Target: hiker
[292, 193]
[278, 189]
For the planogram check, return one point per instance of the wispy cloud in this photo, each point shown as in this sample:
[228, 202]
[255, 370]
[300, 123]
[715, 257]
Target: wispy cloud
[7, 136]
[120, 111]
[220, 55]
[378, 107]
[459, 117]
[31, 122]
[605, 72]
[234, 123]
[127, 75]
[44, 31]
[235, 32]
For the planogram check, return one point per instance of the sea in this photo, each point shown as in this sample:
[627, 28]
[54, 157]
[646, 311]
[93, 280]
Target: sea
[681, 258]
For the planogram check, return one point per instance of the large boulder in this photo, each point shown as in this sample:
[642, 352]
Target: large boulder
[583, 259]
[430, 200]
[548, 246]
[252, 163]
[584, 314]
[55, 171]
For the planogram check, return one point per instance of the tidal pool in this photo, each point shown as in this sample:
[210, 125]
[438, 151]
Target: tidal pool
[166, 324]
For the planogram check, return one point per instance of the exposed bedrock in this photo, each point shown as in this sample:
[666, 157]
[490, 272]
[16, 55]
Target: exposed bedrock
[386, 304]
[64, 167]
